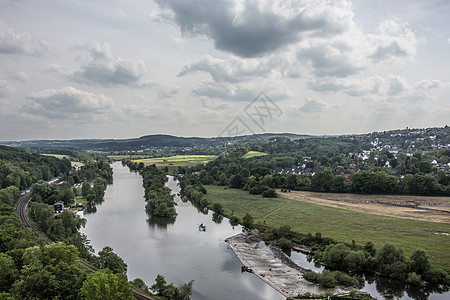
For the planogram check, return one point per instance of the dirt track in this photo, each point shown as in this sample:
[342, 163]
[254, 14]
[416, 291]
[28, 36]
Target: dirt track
[432, 209]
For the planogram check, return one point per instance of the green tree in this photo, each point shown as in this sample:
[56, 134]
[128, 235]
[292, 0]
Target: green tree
[50, 272]
[247, 221]
[391, 261]
[334, 256]
[218, 208]
[104, 284]
[8, 272]
[112, 261]
[419, 262]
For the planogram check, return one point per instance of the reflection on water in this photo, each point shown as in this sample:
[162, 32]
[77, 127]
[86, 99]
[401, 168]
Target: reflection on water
[306, 261]
[176, 249]
[217, 218]
[380, 287]
[159, 222]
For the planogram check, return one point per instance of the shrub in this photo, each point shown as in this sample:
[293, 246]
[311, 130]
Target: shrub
[414, 279]
[285, 243]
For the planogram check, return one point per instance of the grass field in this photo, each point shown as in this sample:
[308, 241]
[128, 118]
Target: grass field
[61, 156]
[77, 163]
[134, 156]
[340, 224]
[428, 208]
[173, 162]
[253, 154]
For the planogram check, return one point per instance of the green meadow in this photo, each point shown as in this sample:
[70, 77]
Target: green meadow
[340, 224]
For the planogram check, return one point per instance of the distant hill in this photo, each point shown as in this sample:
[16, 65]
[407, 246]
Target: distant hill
[154, 142]
[149, 142]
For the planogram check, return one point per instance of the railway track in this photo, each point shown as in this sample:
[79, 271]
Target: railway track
[21, 208]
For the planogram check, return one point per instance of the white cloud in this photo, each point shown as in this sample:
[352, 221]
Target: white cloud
[313, 105]
[427, 84]
[68, 102]
[105, 70]
[395, 41]
[12, 42]
[242, 92]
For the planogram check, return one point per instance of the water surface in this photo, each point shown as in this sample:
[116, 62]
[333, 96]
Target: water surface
[179, 251]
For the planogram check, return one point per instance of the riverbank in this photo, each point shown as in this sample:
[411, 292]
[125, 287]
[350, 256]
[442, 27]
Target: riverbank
[288, 281]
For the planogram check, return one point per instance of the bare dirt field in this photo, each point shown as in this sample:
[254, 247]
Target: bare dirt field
[424, 208]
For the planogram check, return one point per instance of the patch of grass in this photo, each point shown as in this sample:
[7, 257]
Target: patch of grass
[253, 154]
[340, 224]
[77, 163]
[238, 202]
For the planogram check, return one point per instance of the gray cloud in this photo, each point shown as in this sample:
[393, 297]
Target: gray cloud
[223, 91]
[5, 89]
[235, 69]
[392, 50]
[254, 28]
[68, 102]
[397, 85]
[427, 84]
[241, 92]
[329, 61]
[313, 105]
[20, 76]
[105, 70]
[12, 42]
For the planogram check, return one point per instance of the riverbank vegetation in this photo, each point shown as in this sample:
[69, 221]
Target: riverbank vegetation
[159, 201]
[60, 263]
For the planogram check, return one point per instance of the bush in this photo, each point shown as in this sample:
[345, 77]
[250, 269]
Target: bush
[234, 220]
[247, 221]
[330, 279]
[269, 193]
[285, 243]
[311, 276]
[414, 279]
[344, 279]
[437, 276]
[218, 208]
[326, 279]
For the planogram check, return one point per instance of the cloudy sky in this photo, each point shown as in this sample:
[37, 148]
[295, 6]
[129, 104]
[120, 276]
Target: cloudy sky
[126, 68]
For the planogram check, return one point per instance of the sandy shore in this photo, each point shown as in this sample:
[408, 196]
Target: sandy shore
[286, 280]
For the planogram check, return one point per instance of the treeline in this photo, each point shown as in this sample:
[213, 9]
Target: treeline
[21, 169]
[159, 201]
[389, 261]
[257, 176]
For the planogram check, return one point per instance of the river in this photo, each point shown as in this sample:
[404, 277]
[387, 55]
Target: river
[181, 252]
